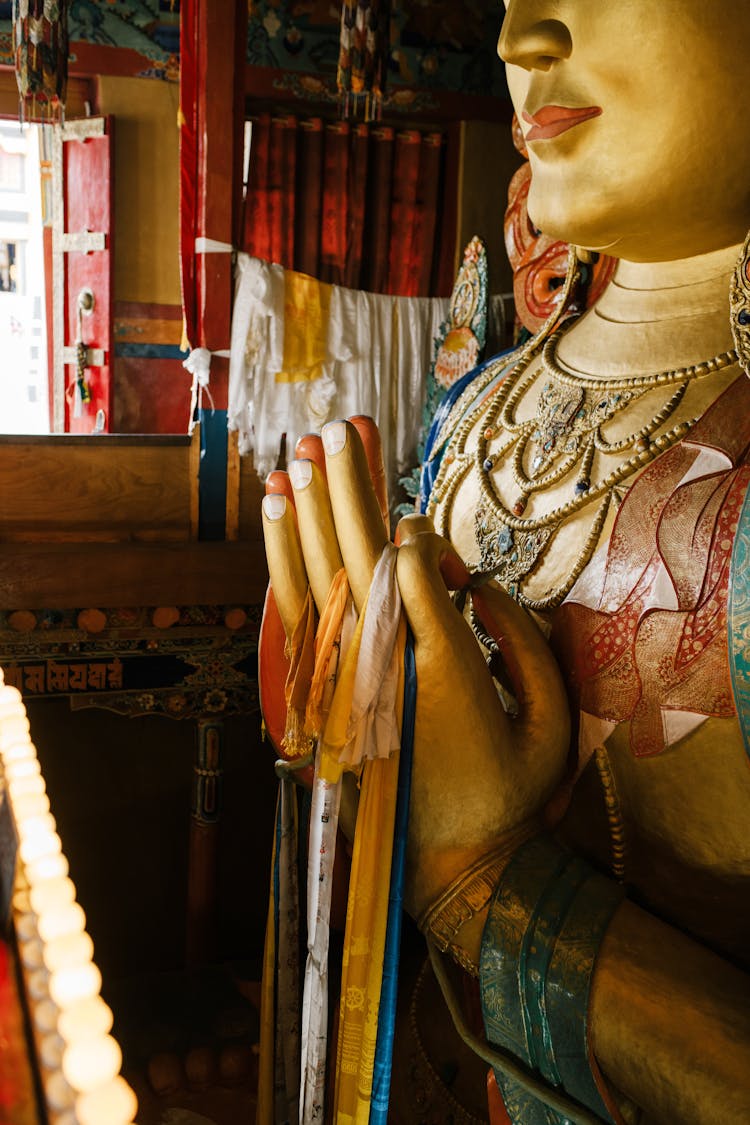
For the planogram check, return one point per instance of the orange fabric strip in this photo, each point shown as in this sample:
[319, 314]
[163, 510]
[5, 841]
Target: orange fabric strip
[302, 663]
[328, 635]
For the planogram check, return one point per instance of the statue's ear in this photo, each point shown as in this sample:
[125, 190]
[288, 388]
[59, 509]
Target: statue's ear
[539, 262]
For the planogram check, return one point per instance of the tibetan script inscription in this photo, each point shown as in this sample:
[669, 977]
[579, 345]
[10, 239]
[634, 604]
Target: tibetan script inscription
[55, 677]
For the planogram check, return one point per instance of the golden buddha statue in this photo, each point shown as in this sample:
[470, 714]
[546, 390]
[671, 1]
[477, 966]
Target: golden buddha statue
[587, 490]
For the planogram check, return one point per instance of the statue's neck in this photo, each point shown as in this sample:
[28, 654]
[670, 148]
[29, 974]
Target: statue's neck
[654, 316]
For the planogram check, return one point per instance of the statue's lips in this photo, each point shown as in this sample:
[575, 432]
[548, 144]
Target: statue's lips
[552, 120]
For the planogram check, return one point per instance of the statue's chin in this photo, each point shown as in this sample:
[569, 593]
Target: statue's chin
[578, 230]
[637, 234]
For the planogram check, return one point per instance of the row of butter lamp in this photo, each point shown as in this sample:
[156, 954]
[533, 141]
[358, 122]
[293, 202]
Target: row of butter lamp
[79, 1060]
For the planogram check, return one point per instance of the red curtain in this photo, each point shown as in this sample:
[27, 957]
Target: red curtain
[359, 163]
[413, 211]
[334, 233]
[377, 234]
[307, 218]
[354, 205]
[270, 206]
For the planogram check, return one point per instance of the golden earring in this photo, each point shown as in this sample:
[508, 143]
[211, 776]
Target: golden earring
[586, 257]
[739, 306]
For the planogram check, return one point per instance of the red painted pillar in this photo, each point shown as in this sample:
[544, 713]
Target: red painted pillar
[221, 80]
[212, 82]
[214, 33]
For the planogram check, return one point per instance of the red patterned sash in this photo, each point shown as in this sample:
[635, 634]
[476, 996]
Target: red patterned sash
[653, 639]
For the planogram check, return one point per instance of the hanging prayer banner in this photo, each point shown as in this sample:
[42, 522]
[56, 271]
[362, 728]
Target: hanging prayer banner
[40, 51]
[363, 56]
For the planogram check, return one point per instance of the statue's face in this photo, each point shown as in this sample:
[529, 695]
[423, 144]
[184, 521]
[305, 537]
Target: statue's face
[640, 143]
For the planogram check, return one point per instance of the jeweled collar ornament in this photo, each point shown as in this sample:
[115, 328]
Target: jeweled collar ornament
[561, 440]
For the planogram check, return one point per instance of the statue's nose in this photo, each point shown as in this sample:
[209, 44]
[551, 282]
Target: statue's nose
[530, 40]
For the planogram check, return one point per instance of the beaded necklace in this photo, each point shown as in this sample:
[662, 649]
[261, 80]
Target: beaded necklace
[560, 440]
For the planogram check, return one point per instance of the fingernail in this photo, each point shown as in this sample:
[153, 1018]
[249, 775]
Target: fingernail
[274, 506]
[334, 437]
[300, 473]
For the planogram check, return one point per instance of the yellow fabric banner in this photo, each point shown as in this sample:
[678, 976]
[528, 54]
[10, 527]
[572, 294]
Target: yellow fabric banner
[306, 308]
[366, 920]
[364, 944]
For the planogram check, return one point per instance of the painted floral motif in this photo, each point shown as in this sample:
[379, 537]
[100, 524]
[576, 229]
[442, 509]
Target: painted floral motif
[433, 45]
[149, 27]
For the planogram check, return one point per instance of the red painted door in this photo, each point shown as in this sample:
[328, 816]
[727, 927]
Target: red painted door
[83, 262]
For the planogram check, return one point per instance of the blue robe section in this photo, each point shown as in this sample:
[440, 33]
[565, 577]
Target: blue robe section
[381, 1082]
[739, 621]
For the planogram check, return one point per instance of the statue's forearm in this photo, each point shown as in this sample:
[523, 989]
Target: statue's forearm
[667, 1020]
[670, 1022]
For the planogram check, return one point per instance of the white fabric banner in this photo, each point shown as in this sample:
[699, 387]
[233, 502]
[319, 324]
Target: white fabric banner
[379, 352]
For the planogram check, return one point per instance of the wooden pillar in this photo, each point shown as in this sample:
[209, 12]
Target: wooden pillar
[204, 843]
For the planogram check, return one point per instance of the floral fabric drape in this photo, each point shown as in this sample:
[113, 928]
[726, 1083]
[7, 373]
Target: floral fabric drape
[350, 204]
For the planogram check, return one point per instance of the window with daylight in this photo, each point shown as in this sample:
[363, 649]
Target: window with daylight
[24, 214]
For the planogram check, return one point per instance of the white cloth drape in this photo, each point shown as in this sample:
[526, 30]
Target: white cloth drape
[372, 730]
[379, 353]
[324, 819]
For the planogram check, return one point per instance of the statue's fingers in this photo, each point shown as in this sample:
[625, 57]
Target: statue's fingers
[411, 525]
[273, 668]
[277, 483]
[543, 723]
[356, 511]
[316, 528]
[286, 565]
[310, 448]
[462, 731]
[451, 565]
[370, 435]
[437, 624]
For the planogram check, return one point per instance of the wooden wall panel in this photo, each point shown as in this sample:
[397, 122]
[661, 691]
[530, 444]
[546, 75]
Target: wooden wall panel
[104, 489]
[69, 575]
[251, 494]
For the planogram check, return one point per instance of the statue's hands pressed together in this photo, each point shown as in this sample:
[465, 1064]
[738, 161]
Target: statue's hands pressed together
[467, 749]
[481, 776]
